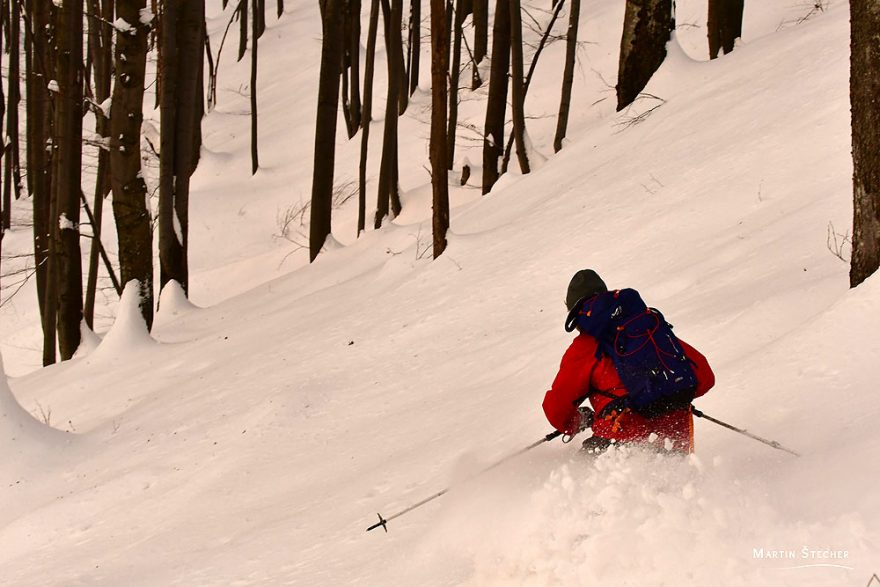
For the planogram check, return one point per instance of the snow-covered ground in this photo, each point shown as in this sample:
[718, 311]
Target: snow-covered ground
[253, 437]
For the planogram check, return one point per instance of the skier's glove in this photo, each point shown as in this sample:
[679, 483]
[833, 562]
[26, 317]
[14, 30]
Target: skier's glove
[581, 420]
[586, 422]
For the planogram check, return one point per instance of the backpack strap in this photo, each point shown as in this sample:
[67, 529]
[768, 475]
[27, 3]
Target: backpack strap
[572, 319]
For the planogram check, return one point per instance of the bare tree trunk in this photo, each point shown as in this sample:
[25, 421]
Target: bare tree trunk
[354, 54]
[480, 9]
[155, 33]
[133, 219]
[346, 103]
[568, 74]
[415, 44]
[407, 52]
[4, 24]
[454, 78]
[212, 71]
[5, 151]
[518, 97]
[864, 88]
[325, 125]
[13, 164]
[372, 33]
[400, 60]
[256, 33]
[93, 76]
[100, 47]
[2, 234]
[496, 107]
[15, 74]
[28, 66]
[182, 109]
[5, 204]
[170, 240]
[39, 68]
[51, 303]
[243, 28]
[724, 24]
[481, 29]
[439, 175]
[67, 142]
[198, 72]
[388, 183]
[153, 39]
[647, 27]
[259, 24]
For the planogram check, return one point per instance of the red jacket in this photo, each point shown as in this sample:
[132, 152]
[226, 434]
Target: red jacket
[580, 367]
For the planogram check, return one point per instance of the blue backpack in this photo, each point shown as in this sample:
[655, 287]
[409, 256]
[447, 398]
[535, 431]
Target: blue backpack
[649, 359]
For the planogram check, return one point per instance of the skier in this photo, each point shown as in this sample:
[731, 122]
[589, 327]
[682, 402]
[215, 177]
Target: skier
[587, 373]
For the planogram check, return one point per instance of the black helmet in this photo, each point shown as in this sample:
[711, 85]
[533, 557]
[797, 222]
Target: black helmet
[585, 283]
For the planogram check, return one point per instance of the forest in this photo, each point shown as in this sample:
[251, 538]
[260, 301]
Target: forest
[270, 269]
[73, 118]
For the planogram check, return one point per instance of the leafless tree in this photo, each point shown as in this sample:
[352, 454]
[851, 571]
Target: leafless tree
[133, 219]
[496, 106]
[5, 194]
[567, 74]
[67, 174]
[243, 28]
[180, 99]
[454, 78]
[647, 27]
[367, 118]
[12, 167]
[415, 44]
[40, 68]
[439, 174]
[353, 62]
[388, 193]
[325, 125]
[864, 88]
[481, 36]
[259, 25]
[724, 24]
[100, 48]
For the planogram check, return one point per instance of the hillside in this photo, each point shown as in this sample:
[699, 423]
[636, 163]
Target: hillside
[252, 438]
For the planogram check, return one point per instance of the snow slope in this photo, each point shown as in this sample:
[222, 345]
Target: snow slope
[252, 441]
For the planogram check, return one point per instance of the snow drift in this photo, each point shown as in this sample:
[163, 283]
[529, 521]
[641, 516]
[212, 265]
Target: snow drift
[251, 441]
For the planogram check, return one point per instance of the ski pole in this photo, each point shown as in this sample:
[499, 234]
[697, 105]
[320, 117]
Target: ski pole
[383, 522]
[772, 443]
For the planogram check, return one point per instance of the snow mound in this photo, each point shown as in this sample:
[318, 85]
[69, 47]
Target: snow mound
[129, 332]
[89, 341]
[173, 303]
[21, 436]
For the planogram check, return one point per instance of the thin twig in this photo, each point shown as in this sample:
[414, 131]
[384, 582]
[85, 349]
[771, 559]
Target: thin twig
[101, 250]
[507, 151]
